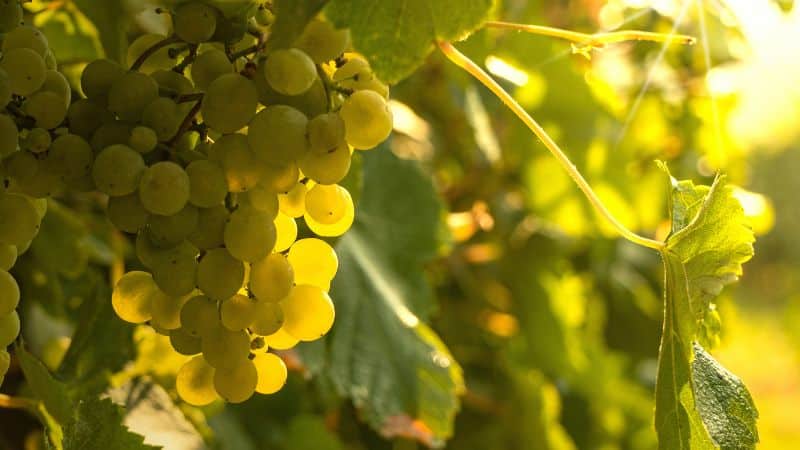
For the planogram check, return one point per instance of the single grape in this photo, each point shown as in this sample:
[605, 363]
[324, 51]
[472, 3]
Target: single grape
[371, 84]
[98, 77]
[314, 262]
[168, 231]
[293, 202]
[9, 135]
[176, 276]
[208, 66]
[195, 382]
[127, 213]
[242, 169]
[8, 256]
[9, 328]
[117, 170]
[272, 278]
[26, 36]
[272, 373]
[286, 232]
[199, 316]
[238, 312]
[264, 17]
[334, 229]
[327, 204]
[308, 313]
[9, 292]
[268, 318]
[166, 310]
[72, 157]
[208, 186]
[220, 275]
[85, 117]
[110, 133]
[158, 60]
[19, 220]
[173, 83]
[26, 70]
[57, 83]
[10, 18]
[249, 234]
[327, 168]
[38, 140]
[322, 42]
[43, 181]
[143, 139]
[280, 179]
[133, 295]
[130, 94]
[5, 89]
[164, 188]
[236, 383]
[194, 22]
[163, 116]
[261, 199]
[224, 348]
[280, 340]
[290, 71]
[229, 103]
[356, 68]
[367, 119]
[47, 108]
[277, 135]
[210, 229]
[183, 342]
[312, 102]
[325, 133]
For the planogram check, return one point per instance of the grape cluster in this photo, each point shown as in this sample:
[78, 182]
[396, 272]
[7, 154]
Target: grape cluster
[211, 147]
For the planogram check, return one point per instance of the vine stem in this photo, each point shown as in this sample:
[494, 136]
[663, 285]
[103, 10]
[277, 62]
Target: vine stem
[150, 51]
[473, 69]
[597, 39]
[9, 402]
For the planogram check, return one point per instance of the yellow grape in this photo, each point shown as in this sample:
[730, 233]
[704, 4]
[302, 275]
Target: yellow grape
[308, 313]
[210, 227]
[238, 312]
[220, 275]
[166, 310]
[224, 348]
[271, 279]
[281, 340]
[9, 329]
[195, 382]
[337, 228]
[249, 234]
[236, 383]
[272, 373]
[286, 231]
[199, 316]
[133, 295]
[314, 262]
[327, 204]
[9, 293]
[268, 318]
[293, 202]
[184, 343]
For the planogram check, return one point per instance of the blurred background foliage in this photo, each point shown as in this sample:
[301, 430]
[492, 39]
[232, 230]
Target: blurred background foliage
[554, 320]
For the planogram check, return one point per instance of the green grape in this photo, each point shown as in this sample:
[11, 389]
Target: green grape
[230, 29]
[337, 228]
[127, 213]
[50, 60]
[229, 103]
[325, 133]
[9, 135]
[5, 358]
[308, 313]
[166, 310]
[268, 318]
[314, 262]
[5, 89]
[264, 17]
[290, 71]
[208, 186]
[280, 340]
[26, 70]
[160, 59]
[371, 84]
[98, 77]
[163, 116]
[44, 181]
[132, 297]
[277, 135]
[220, 275]
[176, 276]
[271, 371]
[111, 133]
[37, 141]
[8, 256]
[168, 231]
[293, 202]
[130, 94]
[164, 188]
[194, 22]
[143, 139]
[25, 36]
[311, 103]
[327, 204]
[280, 179]
[199, 316]
[223, 348]
[21, 165]
[327, 168]
[57, 83]
[210, 229]
[183, 342]
[85, 117]
[249, 234]
[322, 42]
[286, 232]
[356, 68]
[236, 383]
[272, 278]
[195, 382]
[9, 292]
[19, 220]
[237, 313]
[209, 66]
[9, 328]
[72, 158]
[242, 169]
[117, 170]
[367, 119]
[173, 82]
[10, 18]
[261, 199]
[47, 108]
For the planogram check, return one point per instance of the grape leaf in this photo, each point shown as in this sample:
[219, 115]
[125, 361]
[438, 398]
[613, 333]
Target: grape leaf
[50, 391]
[380, 353]
[97, 424]
[697, 400]
[396, 36]
[111, 19]
[291, 17]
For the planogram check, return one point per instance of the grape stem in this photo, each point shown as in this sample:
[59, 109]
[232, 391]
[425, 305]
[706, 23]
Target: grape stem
[473, 69]
[185, 62]
[187, 122]
[9, 402]
[150, 51]
[585, 42]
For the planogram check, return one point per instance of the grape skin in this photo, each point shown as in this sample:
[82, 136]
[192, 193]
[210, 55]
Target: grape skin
[272, 373]
[195, 382]
[19, 221]
[314, 262]
[208, 186]
[308, 313]
[199, 316]
[272, 278]
[367, 119]
[238, 312]
[165, 188]
[117, 170]
[26, 70]
[220, 275]
[290, 71]
[9, 292]
[229, 103]
[132, 297]
[195, 22]
[322, 42]
[9, 328]
[236, 383]
[277, 135]
[249, 234]
[209, 66]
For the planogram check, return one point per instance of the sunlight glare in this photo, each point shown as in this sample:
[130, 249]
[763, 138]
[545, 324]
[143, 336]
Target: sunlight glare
[502, 69]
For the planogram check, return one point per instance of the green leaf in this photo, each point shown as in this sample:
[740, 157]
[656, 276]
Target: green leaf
[50, 391]
[96, 424]
[397, 35]
[110, 17]
[72, 37]
[381, 354]
[291, 17]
